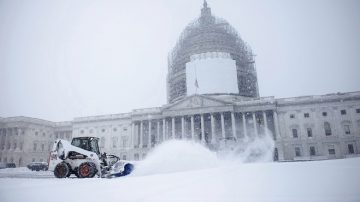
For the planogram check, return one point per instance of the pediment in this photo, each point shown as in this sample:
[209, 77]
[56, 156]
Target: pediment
[196, 101]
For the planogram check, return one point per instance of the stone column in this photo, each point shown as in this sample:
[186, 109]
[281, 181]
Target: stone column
[222, 125]
[182, 128]
[133, 134]
[202, 128]
[141, 135]
[244, 125]
[192, 127]
[255, 127]
[276, 124]
[164, 129]
[213, 135]
[149, 139]
[158, 132]
[173, 127]
[233, 125]
[265, 121]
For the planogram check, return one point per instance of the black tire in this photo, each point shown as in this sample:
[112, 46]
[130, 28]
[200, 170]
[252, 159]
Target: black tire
[62, 170]
[70, 171]
[86, 170]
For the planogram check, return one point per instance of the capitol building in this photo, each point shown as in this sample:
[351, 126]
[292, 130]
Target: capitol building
[212, 98]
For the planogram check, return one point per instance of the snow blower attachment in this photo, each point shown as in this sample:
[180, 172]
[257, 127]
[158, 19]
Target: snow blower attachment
[82, 158]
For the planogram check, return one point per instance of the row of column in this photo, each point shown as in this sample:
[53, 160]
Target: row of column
[192, 127]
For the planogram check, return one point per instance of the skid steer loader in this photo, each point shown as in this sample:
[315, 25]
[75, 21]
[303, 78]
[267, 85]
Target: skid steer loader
[82, 158]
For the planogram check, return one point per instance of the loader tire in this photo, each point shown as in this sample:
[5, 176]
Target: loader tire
[70, 171]
[62, 170]
[86, 170]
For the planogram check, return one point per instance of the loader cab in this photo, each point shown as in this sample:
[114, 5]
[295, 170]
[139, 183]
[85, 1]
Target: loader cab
[87, 143]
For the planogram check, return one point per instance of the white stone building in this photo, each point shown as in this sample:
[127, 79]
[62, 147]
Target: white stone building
[304, 128]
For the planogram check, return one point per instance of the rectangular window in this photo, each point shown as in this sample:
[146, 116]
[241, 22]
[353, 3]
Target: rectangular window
[351, 149]
[124, 143]
[35, 145]
[295, 133]
[42, 147]
[297, 151]
[309, 132]
[343, 112]
[331, 149]
[306, 115]
[292, 116]
[114, 140]
[312, 151]
[324, 113]
[347, 129]
[358, 111]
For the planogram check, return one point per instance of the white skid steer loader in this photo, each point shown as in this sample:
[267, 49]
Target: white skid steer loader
[82, 158]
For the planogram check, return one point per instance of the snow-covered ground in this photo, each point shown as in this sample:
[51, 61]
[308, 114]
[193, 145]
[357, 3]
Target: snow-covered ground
[181, 171]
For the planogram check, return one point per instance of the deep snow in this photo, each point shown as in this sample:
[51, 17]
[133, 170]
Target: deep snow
[184, 171]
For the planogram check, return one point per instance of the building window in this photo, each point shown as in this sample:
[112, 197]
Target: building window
[347, 129]
[34, 148]
[309, 132]
[102, 142]
[351, 149]
[124, 157]
[15, 145]
[114, 129]
[124, 129]
[331, 150]
[36, 133]
[8, 146]
[43, 134]
[343, 112]
[327, 128]
[295, 133]
[42, 147]
[81, 131]
[124, 142]
[68, 135]
[306, 115]
[324, 113]
[33, 160]
[358, 111]
[292, 116]
[297, 151]
[103, 130]
[136, 157]
[21, 146]
[312, 151]
[114, 141]
[91, 131]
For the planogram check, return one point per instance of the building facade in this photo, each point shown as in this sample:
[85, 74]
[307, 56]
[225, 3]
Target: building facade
[303, 128]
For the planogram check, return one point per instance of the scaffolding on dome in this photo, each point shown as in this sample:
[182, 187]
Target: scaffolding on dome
[210, 34]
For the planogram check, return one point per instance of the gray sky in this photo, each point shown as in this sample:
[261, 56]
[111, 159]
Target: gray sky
[65, 59]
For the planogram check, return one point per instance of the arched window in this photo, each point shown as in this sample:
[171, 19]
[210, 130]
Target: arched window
[327, 128]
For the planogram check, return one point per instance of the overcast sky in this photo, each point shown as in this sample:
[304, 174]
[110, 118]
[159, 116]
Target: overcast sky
[66, 59]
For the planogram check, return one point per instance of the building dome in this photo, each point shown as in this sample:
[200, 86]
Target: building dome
[210, 37]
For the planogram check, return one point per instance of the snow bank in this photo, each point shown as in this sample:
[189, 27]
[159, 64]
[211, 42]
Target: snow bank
[175, 156]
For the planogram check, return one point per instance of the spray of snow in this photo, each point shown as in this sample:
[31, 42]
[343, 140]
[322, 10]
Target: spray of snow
[178, 155]
[259, 149]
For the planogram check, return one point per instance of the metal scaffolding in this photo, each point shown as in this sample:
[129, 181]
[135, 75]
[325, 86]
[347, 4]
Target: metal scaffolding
[209, 34]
